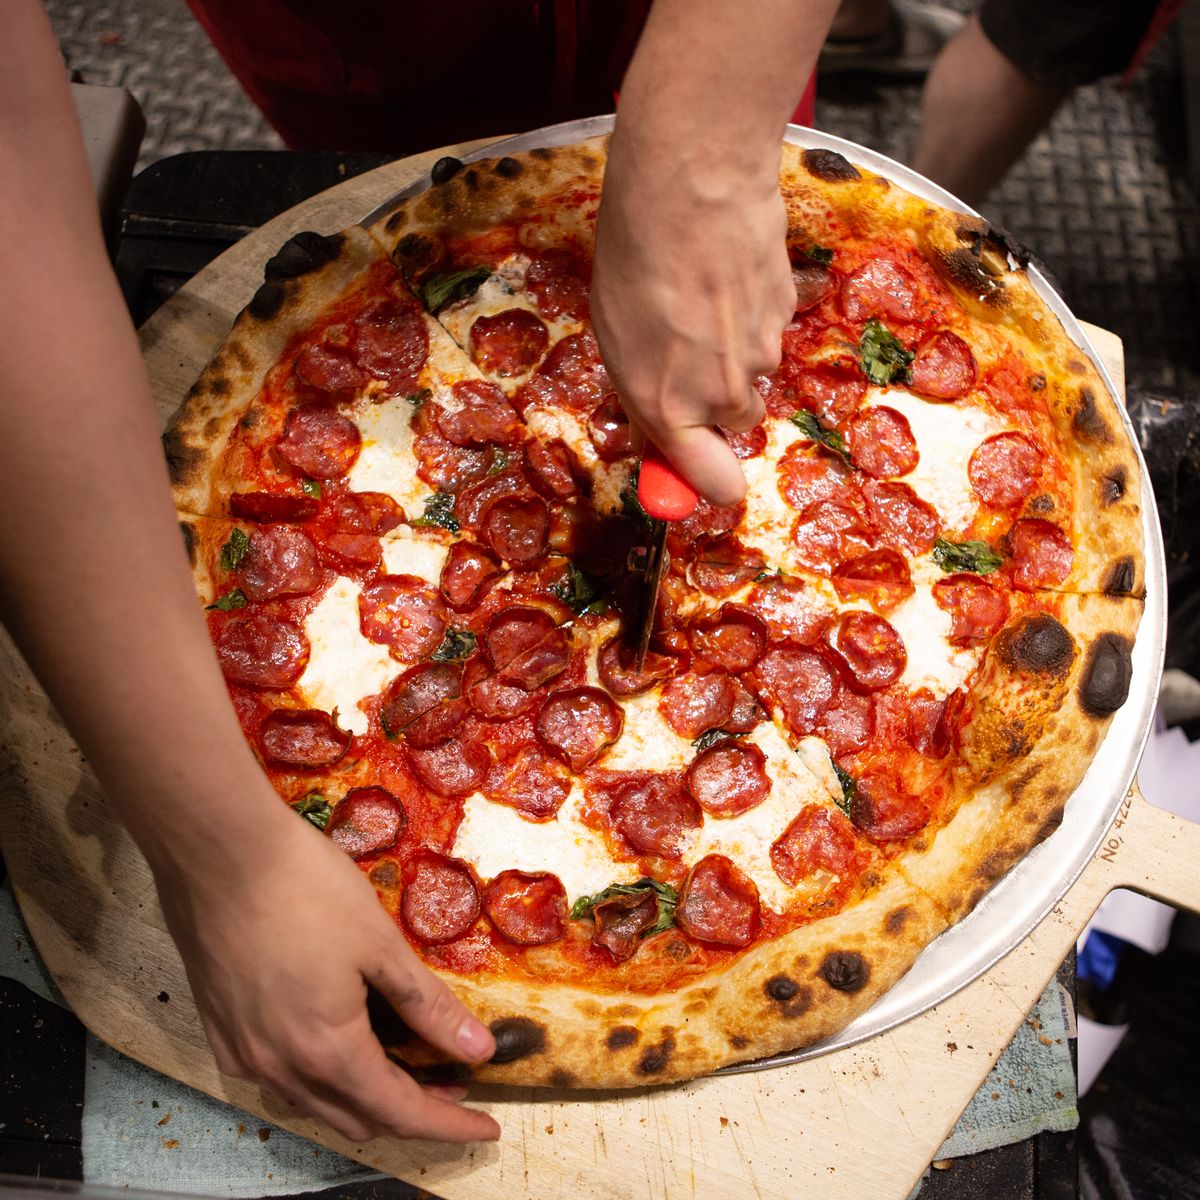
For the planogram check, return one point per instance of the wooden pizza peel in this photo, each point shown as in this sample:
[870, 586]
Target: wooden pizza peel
[863, 1121]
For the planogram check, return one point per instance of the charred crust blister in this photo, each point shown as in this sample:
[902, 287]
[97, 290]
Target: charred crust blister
[1087, 422]
[267, 301]
[561, 1078]
[963, 268]
[1106, 675]
[1037, 644]
[845, 970]
[508, 168]
[182, 460]
[445, 169]
[621, 1037]
[655, 1059]
[1113, 484]
[1120, 577]
[305, 252]
[830, 166]
[896, 920]
[1015, 250]
[517, 1037]
[794, 999]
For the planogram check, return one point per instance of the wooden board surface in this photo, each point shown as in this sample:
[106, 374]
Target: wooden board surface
[861, 1122]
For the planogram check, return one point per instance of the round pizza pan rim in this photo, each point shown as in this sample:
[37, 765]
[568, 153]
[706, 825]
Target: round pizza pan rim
[1020, 901]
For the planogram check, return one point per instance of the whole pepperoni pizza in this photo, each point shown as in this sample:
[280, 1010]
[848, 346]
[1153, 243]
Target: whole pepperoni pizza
[410, 499]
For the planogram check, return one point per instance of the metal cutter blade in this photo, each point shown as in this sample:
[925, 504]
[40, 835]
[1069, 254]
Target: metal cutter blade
[652, 573]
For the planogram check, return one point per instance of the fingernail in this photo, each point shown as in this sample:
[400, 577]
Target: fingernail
[474, 1039]
[452, 1092]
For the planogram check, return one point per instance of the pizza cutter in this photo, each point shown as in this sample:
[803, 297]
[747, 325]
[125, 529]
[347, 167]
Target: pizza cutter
[664, 496]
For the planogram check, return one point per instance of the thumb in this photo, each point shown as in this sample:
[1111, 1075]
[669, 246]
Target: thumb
[705, 459]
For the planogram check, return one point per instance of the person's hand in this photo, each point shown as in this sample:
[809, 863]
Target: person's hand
[691, 291]
[279, 953]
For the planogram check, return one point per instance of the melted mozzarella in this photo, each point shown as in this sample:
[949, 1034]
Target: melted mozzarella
[647, 742]
[769, 518]
[932, 661]
[608, 479]
[386, 463]
[406, 554]
[344, 668]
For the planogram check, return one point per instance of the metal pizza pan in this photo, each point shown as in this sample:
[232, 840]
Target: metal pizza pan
[1019, 901]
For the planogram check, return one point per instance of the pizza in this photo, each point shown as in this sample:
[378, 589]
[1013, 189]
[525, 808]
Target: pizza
[409, 495]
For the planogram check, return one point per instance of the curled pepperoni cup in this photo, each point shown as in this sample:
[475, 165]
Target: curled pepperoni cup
[746, 443]
[492, 697]
[320, 441]
[723, 565]
[747, 714]
[944, 367]
[692, 704]
[608, 427]
[509, 343]
[801, 681]
[530, 781]
[358, 549]
[870, 650]
[719, 903]
[368, 820]
[327, 367]
[528, 909]
[552, 469]
[403, 613]
[728, 778]
[792, 611]
[579, 724]
[904, 520]
[558, 281]
[733, 638]
[281, 561]
[391, 343]
[805, 478]
[881, 288]
[1004, 469]
[468, 574]
[818, 839]
[303, 737]
[266, 507]
[813, 284]
[474, 500]
[441, 898]
[882, 443]
[424, 704]
[847, 724]
[886, 813]
[880, 577]
[977, 609]
[526, 647]
[451, 769]
[832, 392]
[516, 527]
[365, 512]
[617, 665]
[260, 651]
[654, 816]
[1042, 555]
[621, 921]
[828, 532]
[478, 414]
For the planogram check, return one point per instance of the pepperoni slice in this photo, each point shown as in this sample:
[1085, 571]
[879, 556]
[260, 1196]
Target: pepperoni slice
[320, 441]
[621, 921]
[1004, 469]
[880, 288]
[441, 899]
[267, 508]
[904, 520]
[558, 280]
[492, 697]
[441, 463]
[791, 610]
[872, 651]
[529, 910]
[468, 573]
[303, 737]
[365, 512]
[654, 815]
[472, 503]
[884, 812]
[451, 769]
[403, 613]
[728, 778]
[723, 565]
[510, 343]
[552, 469]
[281, 561]
[425, 704]
[719, 903]
[833, 392]
[826, 533]
[530, 782]
[944, 367]
[806, 478]
[368, 820]
[691, 704]
[747, 714]
[479, 415]
[802, 683]
[746, 443]
[580, 724]
[882, 443]
[359, 549]
[328, 368]
[818, 839]
[977, 609]
[814, 283]
[526, 647]
[734, 638]
[706, 520]
[617, 665]
[259, 651]
[575, 364]
[391, 343]
[929, 730]
[516, 527]
[608, 427]
[848, 723]
[879, 576]
[1042, 555]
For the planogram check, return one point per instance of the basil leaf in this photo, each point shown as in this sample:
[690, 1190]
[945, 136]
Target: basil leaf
[819, 254]
[710, 737]
[439, 511]
[849, 789]
[419, 398]
[315, 809]
[311, 487]
[668, 900]
[580, 592]
[882, 355]
[497, 460]
[769, 573]
[456, 645]
[631, 506]
[450, 286]
[234, 549]
[831, 439]
[976, 557]
[230, 601]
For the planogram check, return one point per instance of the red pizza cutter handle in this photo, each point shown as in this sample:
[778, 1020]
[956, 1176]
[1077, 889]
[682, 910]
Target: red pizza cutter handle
[662, 491]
